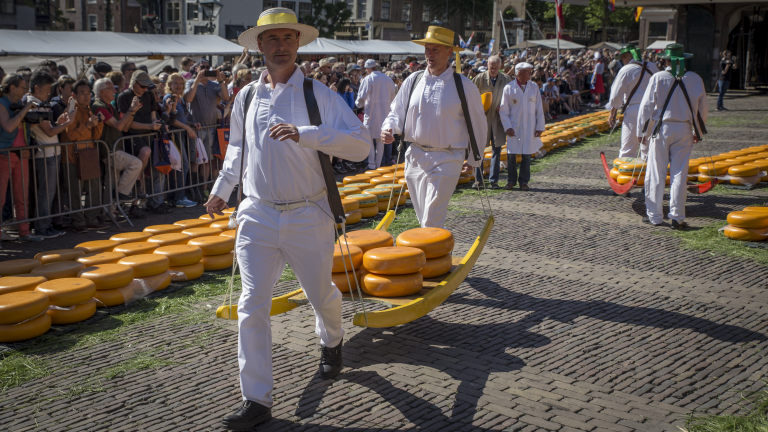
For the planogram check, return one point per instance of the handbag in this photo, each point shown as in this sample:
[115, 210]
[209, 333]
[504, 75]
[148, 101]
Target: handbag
[221, 139]
[201, 156]
[175, 156]
[87, 161]
[161, 160]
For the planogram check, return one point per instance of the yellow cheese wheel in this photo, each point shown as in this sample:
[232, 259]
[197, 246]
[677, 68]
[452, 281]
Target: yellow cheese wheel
[748, 219]
[59, 255]
[360, 178]
[748, 158]
[214, 245]
[349, 190]
[192, 223]
[368, 239]
[130, 249]
[350, 205]
[745, 234]
[108, 276]
[385, 169]
[760, 209]
[407, 194]
[394, 187]
[379, 192]
[27, 330]
[760, 164]
[614, 173]
[201, 232]
[68, 291]
[369, 212]
[436, 266]
[16, 307]
[353, 257]
[108, 298]
[361, 186]
[353, 217]
[156, 282]
[339, 184]
[217, 262]
[394, 260]
[58, 270]
[221, 225]
[717, 168]
[163, 229]
[380, 180]
[18, 266]
[181, 255]
[385, 205]
[742, 171]
[98, 246]
[342, 195]
[131, 237]
[372, 172]
[11, 284]
[169, 239]
[216, 217]
[187, 273]
[435, 242]
[624, 179]
[364, 200]
[229, 233]
[146, 264]
[342, 282]
[229, 210]
[403, 182]
[632, 167]
[391, 175]
[392, 285]
[464, 180]
[80, 312]
[622, 160]
[101, 258]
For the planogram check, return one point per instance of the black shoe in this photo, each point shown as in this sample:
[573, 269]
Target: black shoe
[123, 197]
[330, 361]
[247, 416]
[679, 225]
[161, 209]
[137, 213]
[647, 220]
[80, 229]
[340, 168]
[495, 186]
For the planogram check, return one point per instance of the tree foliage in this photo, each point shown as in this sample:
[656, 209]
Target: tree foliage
[328, 18]
[597, 16]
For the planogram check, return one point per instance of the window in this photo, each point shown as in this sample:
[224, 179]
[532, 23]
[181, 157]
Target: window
[70, 5]
[173, 12]
[657, 29]
[268, 4]
[351, 6]
[425, 13]
[9, 7]
[201, 30]
[232, 32]
[70, 26]
[406, 12]
[93, 22]
[193, 12]
[362, 10]
[172, 31]
[385, 10]
[290, 5]
[468, 22]
[305, 9]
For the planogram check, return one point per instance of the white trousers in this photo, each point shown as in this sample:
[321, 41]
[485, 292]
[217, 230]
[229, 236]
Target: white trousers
[266, 240]
[629, 132]
[375, 156]
[432, 178]
[673, 146]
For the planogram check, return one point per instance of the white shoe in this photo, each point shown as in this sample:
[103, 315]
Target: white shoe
[7, 237]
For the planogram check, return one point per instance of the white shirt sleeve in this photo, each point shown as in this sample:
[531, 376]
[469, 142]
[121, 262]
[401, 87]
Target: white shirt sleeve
[479, 121]
[398, 108]
[362, 93]
[618, 89]
[505, 108]
[229, 175]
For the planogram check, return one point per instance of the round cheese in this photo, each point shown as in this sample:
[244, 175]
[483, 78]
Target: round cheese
[229, 233]
[717, 168]
[437, 266]
[403, 182]
[229, 210]
[395, 188]
[379, 192]
[372, 172]
[80, 312]
[368, 239]
[349, 190]
[748, 158]
[130, 249]
[350, 205]
[760, 209]
[615, 173]
[742, 171]
[58, 270]
[169, 239]
[385, 169]
[216, 217]
[624, 179]
[163, 229]
[108, 298]
[745, 234]
[693, 165]
[156, 282]
[18, 266]
[201, 232]
[28, 330]
[192, 223]
[463, 180]
[213, 245]
[361, 186]
[181, 255]
[68, 291]
[394, 260]
[342, 281]
[376, 181]
[221, 225]
[407, 194]
[369, 212]
[385, 205]
[353, 258]
[108, 276]
[635, 168]
[217, 262]
[146, 264]
[353, 217]
[101, 258]
[392, 285]
[435, 242]
[364, 200]
[11, 284]
[59, 255]
[360, 178]
[131, 237]
[760, 164]
[339, 184]
[748, 219]
[97, 246]
[16, 307]
[187, 273]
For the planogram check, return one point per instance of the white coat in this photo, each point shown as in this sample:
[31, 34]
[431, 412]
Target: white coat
[375, 95]
[622, 86]
[521, 111]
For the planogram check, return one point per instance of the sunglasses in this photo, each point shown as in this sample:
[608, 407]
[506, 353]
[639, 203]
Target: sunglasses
[143, 87]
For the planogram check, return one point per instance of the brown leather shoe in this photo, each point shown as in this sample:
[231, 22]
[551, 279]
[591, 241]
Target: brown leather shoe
[524, 187]
[509, 186]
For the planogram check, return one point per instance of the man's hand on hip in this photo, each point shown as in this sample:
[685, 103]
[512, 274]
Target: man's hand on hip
[284, 131]
[215, 205]
[387, 137]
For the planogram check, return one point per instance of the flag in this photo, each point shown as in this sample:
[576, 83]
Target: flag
[469, 41]
[612, 5]
[490, 46]
[561, 19]
[477, 48]
[638, 11]
[462, 43]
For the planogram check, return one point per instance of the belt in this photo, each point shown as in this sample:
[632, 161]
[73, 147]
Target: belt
[295, 204]
[433, 149]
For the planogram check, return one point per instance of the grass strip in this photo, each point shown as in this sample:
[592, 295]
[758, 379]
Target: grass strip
[755, 420]
[709, 239]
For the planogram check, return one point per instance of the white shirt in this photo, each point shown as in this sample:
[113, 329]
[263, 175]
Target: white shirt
[375, 94]
[286, 171]
[677, 110]
[435, 118]
[40, 136]
[521, 111]
[626, 80]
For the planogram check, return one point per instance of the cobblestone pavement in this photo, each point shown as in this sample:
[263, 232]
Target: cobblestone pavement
[576, 317]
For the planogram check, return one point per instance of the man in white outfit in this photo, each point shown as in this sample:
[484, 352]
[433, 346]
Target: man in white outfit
[285, 216]
[432, 120]
[674, 125]
[522, 117]
[375, 95]
[626, 93]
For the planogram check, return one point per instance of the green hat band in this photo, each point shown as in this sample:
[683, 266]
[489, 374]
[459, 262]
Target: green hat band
[632, 50]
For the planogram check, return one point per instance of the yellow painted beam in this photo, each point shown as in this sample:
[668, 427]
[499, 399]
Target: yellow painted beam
[386, 221]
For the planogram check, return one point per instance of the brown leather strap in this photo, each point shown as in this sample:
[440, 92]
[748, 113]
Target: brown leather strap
[634, 90]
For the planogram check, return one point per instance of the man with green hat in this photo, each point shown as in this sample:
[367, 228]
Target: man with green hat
[672, 113]
[626, 93]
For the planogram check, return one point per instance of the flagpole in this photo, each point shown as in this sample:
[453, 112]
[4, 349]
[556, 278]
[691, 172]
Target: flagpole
[557, 35]
[503, 27]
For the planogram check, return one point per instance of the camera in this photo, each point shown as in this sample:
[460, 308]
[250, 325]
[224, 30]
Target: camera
[34, 117]
[211, 73]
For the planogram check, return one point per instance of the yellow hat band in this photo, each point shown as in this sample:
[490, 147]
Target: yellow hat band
[278, 18]
[442, 38]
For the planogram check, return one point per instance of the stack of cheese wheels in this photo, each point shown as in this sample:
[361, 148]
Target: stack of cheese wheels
[150, 270]
[59, 270]
[59, 255]
[742, 171]
[367, 204]
[351, 211]
[436, 243]
[74, 295]
[11, 284]
[399, 192]
[131, 237]
[184, 260]
[382, 195]
[114, 282]
[22, 315]
[18, 266]
[750, 224]
[353, 257]
[630, 170]
[217, 251]
[393, 271]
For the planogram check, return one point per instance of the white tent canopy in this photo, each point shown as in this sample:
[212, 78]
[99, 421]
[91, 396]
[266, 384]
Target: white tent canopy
[659, 45]
[323, 46]
[369, 47]
[613, 46]
[548, 43]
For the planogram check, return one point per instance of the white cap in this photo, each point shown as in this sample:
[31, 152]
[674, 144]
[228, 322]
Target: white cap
[597, 55]
[523, 65]
[370, 64]
[482, 69]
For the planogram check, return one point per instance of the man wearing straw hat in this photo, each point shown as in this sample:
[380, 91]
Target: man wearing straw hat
[285, 215]
[673, 112]
[430, 116]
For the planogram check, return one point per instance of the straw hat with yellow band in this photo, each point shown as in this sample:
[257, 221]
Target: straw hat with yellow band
[440, 36]
[277, 18]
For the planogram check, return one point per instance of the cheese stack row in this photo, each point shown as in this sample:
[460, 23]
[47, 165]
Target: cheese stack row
[750, 224]
[371, 182]
[353, 247]
[742, 165]
[626, 168]
[436, 243]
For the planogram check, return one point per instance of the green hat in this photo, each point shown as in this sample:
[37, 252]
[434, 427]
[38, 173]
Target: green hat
[632, 50]
[674, 52]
